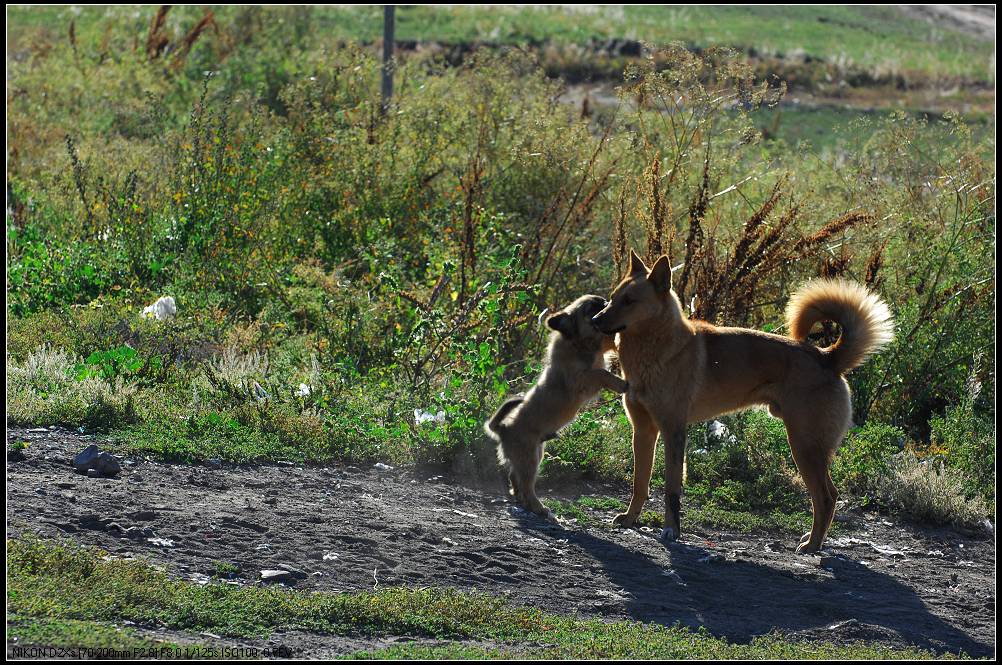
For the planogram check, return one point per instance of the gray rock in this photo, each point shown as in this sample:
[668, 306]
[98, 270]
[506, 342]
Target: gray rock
[107, 465]
[276, 576]
[95, 463]
[295, 572]
[84, 461]
[214, 463]
[138, 533]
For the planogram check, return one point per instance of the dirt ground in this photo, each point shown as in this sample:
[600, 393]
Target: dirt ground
[975, 20]
[353, 529]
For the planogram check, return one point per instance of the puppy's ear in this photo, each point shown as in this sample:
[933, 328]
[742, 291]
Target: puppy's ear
[561, 322]
[637, 265]
[660, 275]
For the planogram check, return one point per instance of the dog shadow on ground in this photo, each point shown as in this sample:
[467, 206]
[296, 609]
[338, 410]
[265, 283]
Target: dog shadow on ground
[740, 598]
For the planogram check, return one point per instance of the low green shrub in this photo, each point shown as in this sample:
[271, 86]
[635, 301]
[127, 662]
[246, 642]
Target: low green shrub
[749, 470]
[47, 390]
[927, 490]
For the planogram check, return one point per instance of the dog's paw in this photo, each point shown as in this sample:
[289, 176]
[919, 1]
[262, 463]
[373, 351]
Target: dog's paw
[539, 510]
[805, 548]
[669, 535]
[624, 520]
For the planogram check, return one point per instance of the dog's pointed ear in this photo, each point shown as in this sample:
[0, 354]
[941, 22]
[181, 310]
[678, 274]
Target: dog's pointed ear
[561, 322]
[660, 275]
[637, 265]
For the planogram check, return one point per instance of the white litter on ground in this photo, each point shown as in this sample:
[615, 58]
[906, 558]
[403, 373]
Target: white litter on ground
[163, 309]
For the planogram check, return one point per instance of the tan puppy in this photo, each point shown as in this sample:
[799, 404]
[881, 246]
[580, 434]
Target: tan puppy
[683, 371]
[575, 372]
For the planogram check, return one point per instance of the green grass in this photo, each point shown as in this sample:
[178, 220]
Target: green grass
[748, 522]
[827, 128]
[598, 511]
[65, 584]
[205, 438]
[95, 639]
[73, 633]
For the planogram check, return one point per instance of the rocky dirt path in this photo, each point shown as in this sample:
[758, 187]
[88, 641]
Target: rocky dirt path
[346, 529]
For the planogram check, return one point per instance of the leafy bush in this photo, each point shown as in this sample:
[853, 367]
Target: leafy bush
[118, 362]
[969, 442]
[865, 457]
[595, 445]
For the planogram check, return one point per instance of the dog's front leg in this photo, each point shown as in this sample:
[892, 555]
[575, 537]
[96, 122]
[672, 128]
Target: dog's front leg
[645, 435]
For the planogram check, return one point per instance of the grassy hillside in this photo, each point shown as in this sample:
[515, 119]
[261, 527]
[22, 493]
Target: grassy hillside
[881, 39]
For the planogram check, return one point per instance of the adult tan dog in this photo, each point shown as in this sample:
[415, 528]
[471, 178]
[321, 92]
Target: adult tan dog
[683, 371]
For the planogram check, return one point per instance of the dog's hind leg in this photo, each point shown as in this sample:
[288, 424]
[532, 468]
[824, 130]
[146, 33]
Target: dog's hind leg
[645, 436]
[813, 466]
[674, 442]
[813, 442]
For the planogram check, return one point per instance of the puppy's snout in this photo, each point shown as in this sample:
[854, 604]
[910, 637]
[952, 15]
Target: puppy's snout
[601, 322]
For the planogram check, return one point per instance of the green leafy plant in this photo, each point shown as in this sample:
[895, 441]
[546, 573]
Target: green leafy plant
[122, 361]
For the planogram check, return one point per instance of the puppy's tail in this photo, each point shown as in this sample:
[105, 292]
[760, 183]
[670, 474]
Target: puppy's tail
[864, 318]
[493, 427]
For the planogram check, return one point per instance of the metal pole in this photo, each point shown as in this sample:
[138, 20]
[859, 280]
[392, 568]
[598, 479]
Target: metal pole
[388, 25]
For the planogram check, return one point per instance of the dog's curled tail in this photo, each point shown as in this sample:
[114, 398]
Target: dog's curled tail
[864, 318]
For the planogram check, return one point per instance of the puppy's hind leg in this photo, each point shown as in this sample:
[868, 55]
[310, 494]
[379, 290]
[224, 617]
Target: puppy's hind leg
[513, 483]
[525, 470]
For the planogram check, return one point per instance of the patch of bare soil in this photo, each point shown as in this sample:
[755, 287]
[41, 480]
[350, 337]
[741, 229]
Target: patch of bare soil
[349, 529]
[975, 20]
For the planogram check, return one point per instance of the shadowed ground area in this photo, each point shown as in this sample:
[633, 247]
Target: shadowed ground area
[353, 529]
